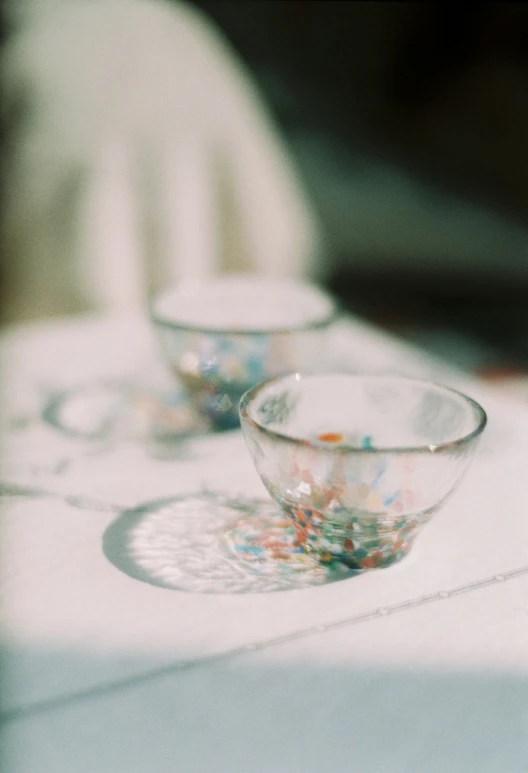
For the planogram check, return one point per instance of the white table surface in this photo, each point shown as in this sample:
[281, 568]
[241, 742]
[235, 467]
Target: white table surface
[420, 667]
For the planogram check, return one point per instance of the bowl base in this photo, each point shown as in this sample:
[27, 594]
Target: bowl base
[359, 540]
[216, 400]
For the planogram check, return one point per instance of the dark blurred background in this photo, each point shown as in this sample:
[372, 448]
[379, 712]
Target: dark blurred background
[408, 122]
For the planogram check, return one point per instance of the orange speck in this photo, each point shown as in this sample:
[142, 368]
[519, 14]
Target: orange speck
[330, 437]
[368, 563]
[301, 517]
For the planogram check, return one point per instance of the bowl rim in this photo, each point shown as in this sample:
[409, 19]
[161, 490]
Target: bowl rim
[250, 394]
[320, 323]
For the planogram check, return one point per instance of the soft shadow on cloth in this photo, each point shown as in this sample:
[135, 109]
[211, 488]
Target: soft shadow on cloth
[250, 713]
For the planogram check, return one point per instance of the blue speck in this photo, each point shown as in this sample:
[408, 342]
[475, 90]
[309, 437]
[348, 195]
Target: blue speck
[360, 553]
[249, 549]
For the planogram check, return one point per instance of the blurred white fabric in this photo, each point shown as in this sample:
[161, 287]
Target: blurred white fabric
[419, 667]
[139, 153]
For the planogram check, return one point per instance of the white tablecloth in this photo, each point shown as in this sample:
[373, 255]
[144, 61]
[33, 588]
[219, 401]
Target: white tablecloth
[420, 667]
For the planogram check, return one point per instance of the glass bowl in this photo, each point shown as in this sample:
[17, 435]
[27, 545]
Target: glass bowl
[359, 463]
[224, 336]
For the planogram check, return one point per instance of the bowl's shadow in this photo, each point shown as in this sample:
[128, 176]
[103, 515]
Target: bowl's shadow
[207, 543]
[104, 413]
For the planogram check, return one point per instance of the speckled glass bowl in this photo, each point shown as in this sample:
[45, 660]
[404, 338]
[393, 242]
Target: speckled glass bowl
[359, 463]
[225, 335]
